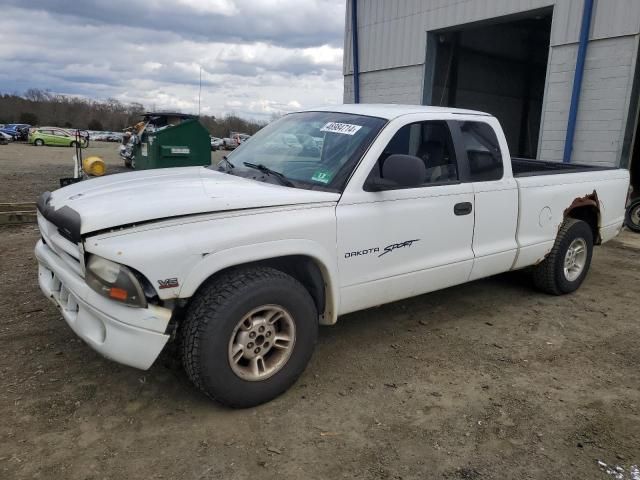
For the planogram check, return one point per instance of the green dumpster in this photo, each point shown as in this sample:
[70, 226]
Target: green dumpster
[172, 140]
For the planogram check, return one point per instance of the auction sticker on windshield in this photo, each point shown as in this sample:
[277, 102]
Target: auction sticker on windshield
[343, 128]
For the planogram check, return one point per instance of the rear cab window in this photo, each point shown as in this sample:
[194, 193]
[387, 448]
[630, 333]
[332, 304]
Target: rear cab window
[484, 156]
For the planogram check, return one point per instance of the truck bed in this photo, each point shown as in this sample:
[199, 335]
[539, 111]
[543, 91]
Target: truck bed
[526, 167]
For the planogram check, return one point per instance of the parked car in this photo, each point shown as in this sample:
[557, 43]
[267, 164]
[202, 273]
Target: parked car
[234, 140]
[10, 132]
[55, 136]
[5, 138]
[19, 131]
[241, 262]
[216, 143]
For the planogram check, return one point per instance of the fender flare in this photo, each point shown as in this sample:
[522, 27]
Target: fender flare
[215, 262]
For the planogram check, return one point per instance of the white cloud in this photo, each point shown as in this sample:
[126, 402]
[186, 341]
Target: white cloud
[219, 7]
[277, 69]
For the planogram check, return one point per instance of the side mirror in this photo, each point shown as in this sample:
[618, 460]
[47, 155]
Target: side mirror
[400, 171]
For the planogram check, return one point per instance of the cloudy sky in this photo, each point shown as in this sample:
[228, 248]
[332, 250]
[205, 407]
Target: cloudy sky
[257, 56]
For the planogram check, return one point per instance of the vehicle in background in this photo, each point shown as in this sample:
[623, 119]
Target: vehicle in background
[54, 136]
[632, 217]
[113, 137]
[11, 132]
[234, 140]
[100, 136]
[18, 131]
[216, 143]
[5, 137]
[242, 261]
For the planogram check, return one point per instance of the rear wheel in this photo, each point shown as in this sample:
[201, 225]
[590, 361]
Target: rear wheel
[248, 335]
[567, 265]
[632, 218]
[38, 142]
[73, 144]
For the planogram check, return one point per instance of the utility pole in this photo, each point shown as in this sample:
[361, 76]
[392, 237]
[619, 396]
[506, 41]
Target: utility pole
[200, 90]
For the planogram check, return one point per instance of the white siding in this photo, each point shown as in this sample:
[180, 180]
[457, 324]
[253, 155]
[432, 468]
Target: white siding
[604, 102]
[398, 85]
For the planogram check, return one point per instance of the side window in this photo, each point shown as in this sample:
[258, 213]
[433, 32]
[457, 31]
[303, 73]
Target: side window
[483, 151]
[429, 141]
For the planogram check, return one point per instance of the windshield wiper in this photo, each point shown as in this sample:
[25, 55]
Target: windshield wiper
[283, 180]
[227, 162]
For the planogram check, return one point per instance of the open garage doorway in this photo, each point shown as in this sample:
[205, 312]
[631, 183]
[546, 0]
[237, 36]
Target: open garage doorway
[499, 68]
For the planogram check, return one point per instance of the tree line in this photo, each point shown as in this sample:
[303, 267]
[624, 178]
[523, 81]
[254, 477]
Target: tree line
[40, 107]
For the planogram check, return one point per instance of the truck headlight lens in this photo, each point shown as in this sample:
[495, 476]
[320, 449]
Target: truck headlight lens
[115, 281]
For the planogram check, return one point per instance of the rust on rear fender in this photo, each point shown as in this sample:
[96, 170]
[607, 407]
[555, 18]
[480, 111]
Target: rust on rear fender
[589, 200]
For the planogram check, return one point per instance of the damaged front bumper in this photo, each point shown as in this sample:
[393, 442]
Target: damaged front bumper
[127, 335]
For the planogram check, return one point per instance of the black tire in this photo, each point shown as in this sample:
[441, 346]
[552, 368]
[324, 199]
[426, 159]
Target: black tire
[209, 324]
[73, 144]
[38, 142]
[632, 216]
[549, 275]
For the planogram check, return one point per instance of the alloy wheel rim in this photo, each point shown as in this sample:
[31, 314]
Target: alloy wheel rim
[575, 259]
[262, 343]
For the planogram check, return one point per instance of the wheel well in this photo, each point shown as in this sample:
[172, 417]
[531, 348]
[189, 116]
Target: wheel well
[589, 214]
[302, 268]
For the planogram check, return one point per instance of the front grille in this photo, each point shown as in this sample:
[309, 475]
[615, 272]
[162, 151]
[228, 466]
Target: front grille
[68, 251]
[60, 293]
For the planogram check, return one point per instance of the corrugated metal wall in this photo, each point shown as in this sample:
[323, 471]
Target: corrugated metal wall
[392, 33]
[393, 36]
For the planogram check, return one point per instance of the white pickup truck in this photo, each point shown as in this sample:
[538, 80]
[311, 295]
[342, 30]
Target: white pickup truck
[242, 261]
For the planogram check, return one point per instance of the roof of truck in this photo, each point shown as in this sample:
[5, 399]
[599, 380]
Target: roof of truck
[390, 111]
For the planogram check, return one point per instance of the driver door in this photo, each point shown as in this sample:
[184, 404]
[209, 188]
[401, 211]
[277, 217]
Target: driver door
[402, 242]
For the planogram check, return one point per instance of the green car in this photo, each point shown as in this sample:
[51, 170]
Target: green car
[54, 136]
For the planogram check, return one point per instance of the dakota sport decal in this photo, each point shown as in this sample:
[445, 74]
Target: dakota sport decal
[385, 250]
[395, 246]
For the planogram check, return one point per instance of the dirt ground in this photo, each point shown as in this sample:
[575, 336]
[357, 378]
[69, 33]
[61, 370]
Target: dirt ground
[489, 380]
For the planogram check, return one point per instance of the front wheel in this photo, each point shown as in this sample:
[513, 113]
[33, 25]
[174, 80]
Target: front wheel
[566, 266]
[632, 217]
[38, 142]
[248, 335]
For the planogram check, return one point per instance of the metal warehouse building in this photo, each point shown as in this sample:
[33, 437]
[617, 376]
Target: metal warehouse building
[549, 70]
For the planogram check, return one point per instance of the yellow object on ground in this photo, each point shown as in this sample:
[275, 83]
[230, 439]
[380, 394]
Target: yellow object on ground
[94, 166]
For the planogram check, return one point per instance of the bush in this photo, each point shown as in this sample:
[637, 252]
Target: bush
[29, 118]
[95, 125]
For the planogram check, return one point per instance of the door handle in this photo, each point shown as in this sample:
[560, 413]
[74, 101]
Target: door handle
[463, 208]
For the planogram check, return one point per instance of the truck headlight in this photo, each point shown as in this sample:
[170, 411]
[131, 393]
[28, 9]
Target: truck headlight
[115, 281]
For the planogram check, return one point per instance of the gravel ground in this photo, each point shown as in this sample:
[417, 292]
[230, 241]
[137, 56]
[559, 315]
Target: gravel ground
[489, 380]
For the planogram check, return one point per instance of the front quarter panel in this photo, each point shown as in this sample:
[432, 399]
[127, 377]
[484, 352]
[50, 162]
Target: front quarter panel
[181, 254]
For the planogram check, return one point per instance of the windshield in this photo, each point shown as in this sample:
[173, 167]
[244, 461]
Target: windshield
[309, 149]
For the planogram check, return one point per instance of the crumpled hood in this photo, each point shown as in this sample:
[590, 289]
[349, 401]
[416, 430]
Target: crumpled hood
[127, 198]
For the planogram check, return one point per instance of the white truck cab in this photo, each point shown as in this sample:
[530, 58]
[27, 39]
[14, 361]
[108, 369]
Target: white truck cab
[243, 260]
